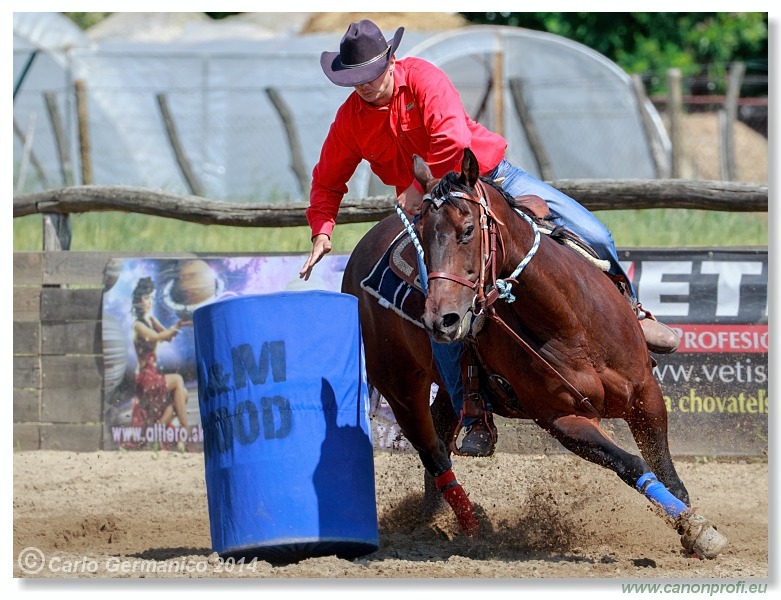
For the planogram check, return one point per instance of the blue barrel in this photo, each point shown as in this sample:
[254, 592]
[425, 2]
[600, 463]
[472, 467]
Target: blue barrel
[285, 415]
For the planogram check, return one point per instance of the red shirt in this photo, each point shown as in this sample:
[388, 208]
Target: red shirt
[425, 117]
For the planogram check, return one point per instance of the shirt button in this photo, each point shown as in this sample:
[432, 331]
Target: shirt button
[401, 135]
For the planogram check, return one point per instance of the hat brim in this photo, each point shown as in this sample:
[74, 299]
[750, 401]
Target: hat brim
[333, 68]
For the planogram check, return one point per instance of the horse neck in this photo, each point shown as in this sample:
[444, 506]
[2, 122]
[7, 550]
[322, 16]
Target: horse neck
[551, 296]
[516, 235]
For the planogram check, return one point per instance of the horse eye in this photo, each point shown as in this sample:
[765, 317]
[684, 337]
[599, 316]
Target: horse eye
[467, 233]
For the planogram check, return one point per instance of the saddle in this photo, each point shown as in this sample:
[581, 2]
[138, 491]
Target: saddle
[404, 261]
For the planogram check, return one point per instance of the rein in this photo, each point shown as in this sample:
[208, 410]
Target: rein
[482, 302]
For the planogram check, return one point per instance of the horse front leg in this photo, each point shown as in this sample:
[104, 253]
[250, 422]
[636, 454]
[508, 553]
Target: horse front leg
[445, 423]
[417, 424]
[585, 438]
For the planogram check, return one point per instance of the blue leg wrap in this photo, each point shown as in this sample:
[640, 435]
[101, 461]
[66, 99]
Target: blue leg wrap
[656, 492]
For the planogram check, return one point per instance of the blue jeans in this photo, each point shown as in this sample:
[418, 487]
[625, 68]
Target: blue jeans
[568, 213]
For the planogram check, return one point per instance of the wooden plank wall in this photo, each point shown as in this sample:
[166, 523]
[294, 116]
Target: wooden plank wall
[57, 349]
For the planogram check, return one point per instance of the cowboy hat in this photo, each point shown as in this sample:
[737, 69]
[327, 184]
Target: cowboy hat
[363, 55]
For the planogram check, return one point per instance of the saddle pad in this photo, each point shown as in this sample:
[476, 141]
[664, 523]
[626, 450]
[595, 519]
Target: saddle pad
[392, 290]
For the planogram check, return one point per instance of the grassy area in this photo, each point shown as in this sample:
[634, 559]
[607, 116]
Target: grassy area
[129, 232]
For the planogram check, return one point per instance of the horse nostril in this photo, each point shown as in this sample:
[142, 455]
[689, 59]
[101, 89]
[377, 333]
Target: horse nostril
[450, 319]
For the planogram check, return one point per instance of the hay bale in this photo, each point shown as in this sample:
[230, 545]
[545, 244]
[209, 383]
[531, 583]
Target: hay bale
[388, 22]
[702, 149]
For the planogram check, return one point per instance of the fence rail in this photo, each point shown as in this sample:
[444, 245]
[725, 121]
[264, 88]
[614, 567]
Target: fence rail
[594, 194]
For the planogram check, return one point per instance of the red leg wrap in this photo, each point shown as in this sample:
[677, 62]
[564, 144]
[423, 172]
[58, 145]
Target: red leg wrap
[458, 500]
[444, 479]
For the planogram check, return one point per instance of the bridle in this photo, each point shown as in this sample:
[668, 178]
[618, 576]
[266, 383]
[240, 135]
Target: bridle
[482, 302]
[488, 236]
[491, 239]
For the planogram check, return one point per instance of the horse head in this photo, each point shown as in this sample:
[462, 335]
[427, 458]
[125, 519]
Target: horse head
[451, 229]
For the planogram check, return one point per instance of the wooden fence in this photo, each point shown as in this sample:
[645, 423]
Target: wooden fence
[57, 325]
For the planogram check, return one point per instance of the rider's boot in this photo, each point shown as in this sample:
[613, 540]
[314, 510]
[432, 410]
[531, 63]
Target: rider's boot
[659, 338]
[480, 433]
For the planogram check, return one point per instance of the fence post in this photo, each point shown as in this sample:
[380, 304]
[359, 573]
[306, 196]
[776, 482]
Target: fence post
[734, 81]
[498, 79]
[675, 115]
[529, 127]
[57, 228]
[59, 138]
[657, 152]
[298, 166]
[82, 111]
[173, 137]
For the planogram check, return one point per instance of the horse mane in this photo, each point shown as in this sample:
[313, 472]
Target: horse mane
[557, 233]
[451, 182]
[442, 193]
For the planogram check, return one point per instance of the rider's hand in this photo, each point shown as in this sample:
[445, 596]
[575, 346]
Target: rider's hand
[410, 200]
[321, 245]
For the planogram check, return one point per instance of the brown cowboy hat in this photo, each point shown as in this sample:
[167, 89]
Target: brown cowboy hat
[363, 55]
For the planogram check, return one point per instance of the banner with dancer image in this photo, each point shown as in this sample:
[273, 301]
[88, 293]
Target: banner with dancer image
[150, 384]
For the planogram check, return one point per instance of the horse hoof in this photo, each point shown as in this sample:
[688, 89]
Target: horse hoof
[700, 537]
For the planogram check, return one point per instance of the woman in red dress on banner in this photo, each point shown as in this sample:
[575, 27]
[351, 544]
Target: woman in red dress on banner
[160, 396]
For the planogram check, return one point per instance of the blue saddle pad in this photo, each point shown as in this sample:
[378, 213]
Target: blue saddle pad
[392, 291]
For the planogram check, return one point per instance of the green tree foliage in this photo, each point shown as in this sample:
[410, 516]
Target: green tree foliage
[699, 44]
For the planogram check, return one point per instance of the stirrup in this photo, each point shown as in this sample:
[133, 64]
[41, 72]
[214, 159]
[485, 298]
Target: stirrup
[479, 439]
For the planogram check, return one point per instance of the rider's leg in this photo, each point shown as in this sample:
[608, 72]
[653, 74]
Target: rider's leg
[479, 432]
[574, 216]
[478, 439]
[447, 358]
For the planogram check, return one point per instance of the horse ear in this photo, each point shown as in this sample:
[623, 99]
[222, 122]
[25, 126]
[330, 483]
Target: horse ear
[470, 168]
[422, 172]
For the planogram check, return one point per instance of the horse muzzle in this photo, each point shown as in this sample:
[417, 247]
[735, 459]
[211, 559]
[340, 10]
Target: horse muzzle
[447, 328]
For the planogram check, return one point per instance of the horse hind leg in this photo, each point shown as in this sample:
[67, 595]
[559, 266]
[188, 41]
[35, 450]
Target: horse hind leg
[582, 436]
[648, 423]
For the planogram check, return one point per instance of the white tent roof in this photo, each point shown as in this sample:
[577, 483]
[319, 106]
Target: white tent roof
[215, 75]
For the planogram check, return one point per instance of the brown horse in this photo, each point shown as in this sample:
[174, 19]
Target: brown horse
[554, 327]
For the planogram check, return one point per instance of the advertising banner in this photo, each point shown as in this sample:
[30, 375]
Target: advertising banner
[715, 385]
